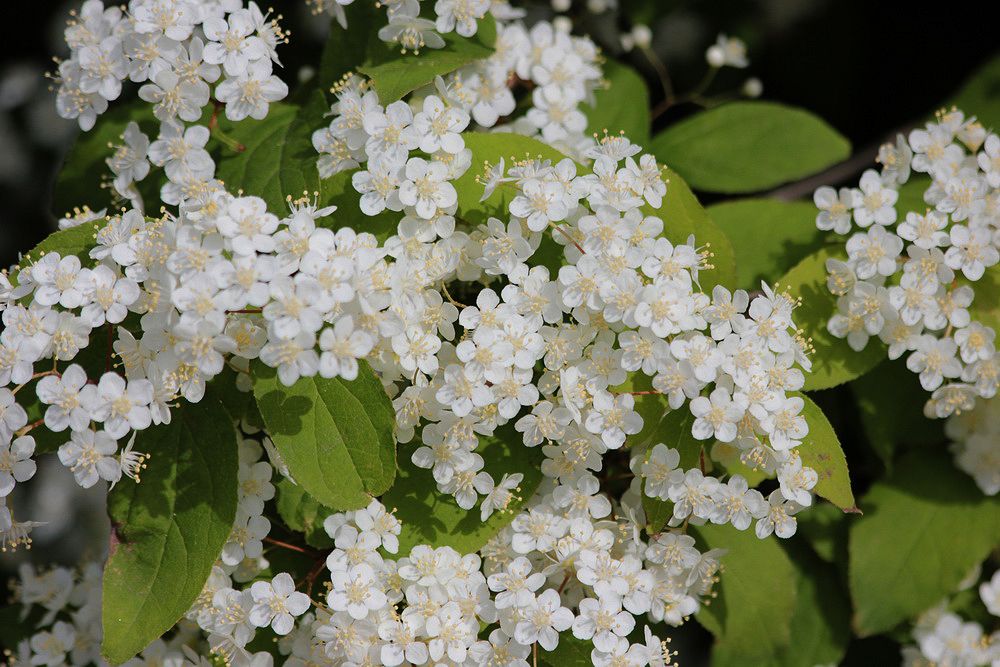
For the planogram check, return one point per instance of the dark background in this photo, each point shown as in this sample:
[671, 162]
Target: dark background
[868, 67]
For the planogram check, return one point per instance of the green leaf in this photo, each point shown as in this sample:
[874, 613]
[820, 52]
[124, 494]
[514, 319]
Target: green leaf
[621, 106]
[822, 452]
[278, 159]
[395, 74]
[431, 517]
[985, 307]
[169, 529]
[911, 196]
[979, 96]
[335, 436]
[833, 361]
[924, 529]
[821, 621]
[84, 169]
[344, 48]
[749, 146]
[824, 527]
[571, 652]
[769, 236]
[894, 419]
[303, 513]
[751, 617]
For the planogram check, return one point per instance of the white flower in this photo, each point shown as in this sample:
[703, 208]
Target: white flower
[874, 253]
[613, 418]
[874, 203]
[63, 396]
[249, 93]
[174, 97]
[779, 518]
[934, 359]
[121, 406]
[727, 51]
[411, 32]
[737, 503]
[51, 647]
[233, 42]
[796, 481]
[416, 349]
[543, 620]
[277, 603]
[460, 15]
[971, 250]
[602, 621]
[59, 280]
[835, 209]
[540, 203]
[16, 464]
[440, 126]
[356, 591]
[426, 188]
[90, 455]
[391, 134]
[784, 423]
[989, 593]
[716, 416]
[108, 297]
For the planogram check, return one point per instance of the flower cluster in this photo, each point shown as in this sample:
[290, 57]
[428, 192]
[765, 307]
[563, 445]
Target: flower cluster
[911, 270]
[66, 606]
[562, 68]
[576, 300]
[176, 49]
[943, 637]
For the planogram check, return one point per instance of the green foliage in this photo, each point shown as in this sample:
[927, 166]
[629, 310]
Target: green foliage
[769, 236]
[822, 452]
[749, 146]
[571, 652]
[335, 436]
[344, 47]
[78, 182]
[278, 159]
[894, 419]
[751, 617]
[979, 96]
[833, 361]
[985, 306]
[168, 530]
[431, 517]
[925, 527]
[821, 621]
[302, 513]
[622, 106]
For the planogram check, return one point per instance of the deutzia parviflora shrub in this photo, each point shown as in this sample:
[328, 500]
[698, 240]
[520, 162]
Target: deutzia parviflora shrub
[912, 270]
[218, 282]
